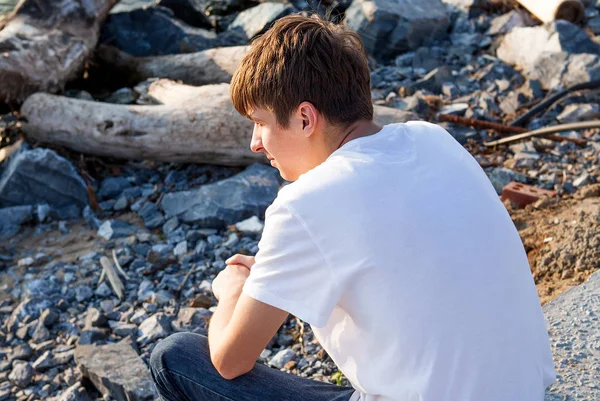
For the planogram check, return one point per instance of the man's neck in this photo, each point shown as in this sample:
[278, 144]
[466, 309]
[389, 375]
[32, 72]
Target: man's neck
[357, 129]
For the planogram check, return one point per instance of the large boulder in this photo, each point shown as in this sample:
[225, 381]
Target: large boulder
[389, 27]
[564, 69]
[226, 202]
[116, 370]
[40, 176]
[546, 52]
[256, 20]
[155, 31]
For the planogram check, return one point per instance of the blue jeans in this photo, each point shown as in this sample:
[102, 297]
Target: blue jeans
[182, 370]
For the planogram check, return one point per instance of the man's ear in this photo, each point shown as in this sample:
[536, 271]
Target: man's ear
[309, 116]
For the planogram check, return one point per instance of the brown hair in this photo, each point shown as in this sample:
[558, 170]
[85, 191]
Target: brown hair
[305, 59]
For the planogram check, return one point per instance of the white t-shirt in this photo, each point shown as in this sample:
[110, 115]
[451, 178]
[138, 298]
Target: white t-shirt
[399, 254]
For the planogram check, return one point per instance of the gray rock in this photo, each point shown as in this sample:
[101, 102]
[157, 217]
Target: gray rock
[40, 176]
[574, 330]
[83, 293]
[170, 225]
[44, 361]
[123, 96]
[502, 176]
[11, 219]
[21, 374]
[116, 370]
[227, 201]
[42, 212]
[154, 32]
[95, 318]
[256, 20]
[123, 329]
[389, 27]
[103, 290]
[252, 225]
[31, 308]
[112, 187]
[506, 22]
[40, 287]
[563, 69]
[180, 249]
[121, 204]
[434, 79]
[155, 327]
[152, 217]
[579, 112]
[90, 218]
[582, 180]
[523, 47]
[21, 352]
[115, 229]
[594, 25]
[282, 357]
[191, 319]
[74, 393]
[41, 333]
[91, 336]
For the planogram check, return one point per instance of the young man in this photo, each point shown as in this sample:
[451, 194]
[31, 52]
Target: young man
[390, 242]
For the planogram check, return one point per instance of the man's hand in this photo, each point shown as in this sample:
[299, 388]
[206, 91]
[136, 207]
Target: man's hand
[230, 281]
[240, 259]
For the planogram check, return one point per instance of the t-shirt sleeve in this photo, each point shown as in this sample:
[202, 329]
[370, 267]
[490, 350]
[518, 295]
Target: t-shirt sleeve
[290, 271]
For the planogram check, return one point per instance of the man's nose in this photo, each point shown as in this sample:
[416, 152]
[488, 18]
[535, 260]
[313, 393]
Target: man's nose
[256, 142]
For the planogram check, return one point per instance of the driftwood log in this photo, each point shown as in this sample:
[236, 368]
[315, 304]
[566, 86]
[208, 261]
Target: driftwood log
[45, 43]
[212, 66]
[193, 124]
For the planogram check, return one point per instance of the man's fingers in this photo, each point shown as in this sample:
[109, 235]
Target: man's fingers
[239, 259]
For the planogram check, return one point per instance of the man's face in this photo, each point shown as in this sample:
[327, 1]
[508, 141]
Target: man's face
[284, 147]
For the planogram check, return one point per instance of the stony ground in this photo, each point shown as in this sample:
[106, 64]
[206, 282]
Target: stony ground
[68, 222]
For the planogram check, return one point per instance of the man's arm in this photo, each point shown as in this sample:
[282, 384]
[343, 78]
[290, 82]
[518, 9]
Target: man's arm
[241, 326]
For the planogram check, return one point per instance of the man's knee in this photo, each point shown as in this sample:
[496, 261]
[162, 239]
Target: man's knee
[168, 352]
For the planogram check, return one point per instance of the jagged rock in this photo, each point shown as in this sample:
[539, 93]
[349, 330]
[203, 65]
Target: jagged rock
[506, 22]
[40, 176]
[31, 307]
[49, 360]
[49, 317]
[152, 216]
[251, 225]
[154, 31]
[563, 69]
[390, 27]
[155, 327]
[115, 229]
[192, 319]
[116, 370]
[74, 393]
[228, 201]
[11, 219]
[112, 187]
[257, 20]
[502, 176]
[579, 112]
[91, 336]
[282, 357]
[122, 329]
[21, 374]
[527, 48]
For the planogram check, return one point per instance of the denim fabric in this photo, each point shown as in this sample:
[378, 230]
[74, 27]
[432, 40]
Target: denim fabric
[182, 370]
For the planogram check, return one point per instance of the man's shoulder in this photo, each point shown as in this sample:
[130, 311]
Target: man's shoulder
[321, 182]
